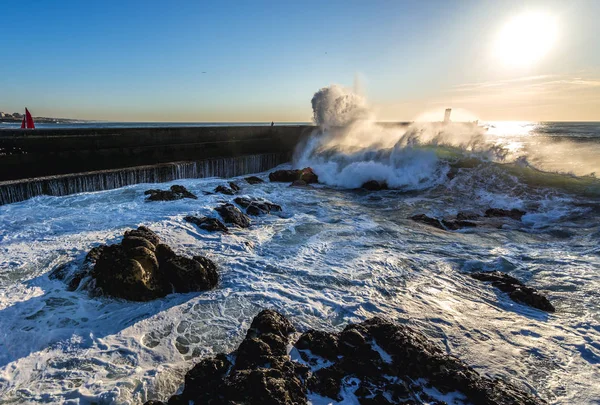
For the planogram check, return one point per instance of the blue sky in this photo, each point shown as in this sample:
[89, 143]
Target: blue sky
[144, 60]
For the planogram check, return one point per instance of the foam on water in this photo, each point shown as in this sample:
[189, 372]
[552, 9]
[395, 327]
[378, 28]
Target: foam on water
[332, 257]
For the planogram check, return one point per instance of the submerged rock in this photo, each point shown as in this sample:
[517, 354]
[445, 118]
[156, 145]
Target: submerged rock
[140, 268]
[255, 206]
[254, 180]
[516, 290]
[224, 190]
[447, 225]
[232, 215]
[374, 185]
[174, 193]
[206, 223]
[390, 363]
[307, 174]
[497, 212]
[299, 183]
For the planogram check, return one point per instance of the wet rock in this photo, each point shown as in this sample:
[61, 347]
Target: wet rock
[284, 175]
[392, 363]
[319, 343]
[299, 183]
[208, 224]
[224, 190]
[308, 175]
[140, 268]
[234, 186]
[374, 185]
[254, 180]
[143, 232]
[288, 176]
[516, 290]
[255, 206]
[262, 373]
[176, 192]
[188, 275]
[448, 225]
[497, 212]
[232, 215]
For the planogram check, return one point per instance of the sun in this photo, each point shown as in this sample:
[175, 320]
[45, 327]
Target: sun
[526, 39]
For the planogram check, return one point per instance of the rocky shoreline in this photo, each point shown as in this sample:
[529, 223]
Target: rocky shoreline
[375, 362]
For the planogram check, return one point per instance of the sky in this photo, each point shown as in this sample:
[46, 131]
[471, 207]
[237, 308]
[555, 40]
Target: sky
[250, 61]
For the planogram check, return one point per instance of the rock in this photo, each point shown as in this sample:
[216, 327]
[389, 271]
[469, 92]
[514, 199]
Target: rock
[188, 275]
[174, 193]
[208, 224]
[284, 175]
[497, 212]
[224, 190]
[232, 215]
[255, 206]
[288, 176]
[254, 180]
[140, 268]
[144, 233]
[299, 183]
[262, 374]
[319, 343]
[516, 290]
[308, 175]
[131, 242]
[374, 185]
[393, 363]
[448, 225]
[234, 186]
[119, 275]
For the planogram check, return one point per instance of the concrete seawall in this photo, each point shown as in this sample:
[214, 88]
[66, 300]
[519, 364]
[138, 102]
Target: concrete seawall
[66, 161]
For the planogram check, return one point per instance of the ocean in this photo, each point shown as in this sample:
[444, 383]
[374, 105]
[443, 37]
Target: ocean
[335, 254]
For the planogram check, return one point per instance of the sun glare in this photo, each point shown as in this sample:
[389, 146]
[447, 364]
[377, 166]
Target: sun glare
[526, 38]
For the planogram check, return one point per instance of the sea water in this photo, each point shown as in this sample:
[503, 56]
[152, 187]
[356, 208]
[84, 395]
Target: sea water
[334, 255]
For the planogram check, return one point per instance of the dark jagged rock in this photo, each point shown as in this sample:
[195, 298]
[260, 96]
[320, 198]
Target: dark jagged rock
[140, 268]
[389, 361]
[234, 186]
[319, 343]
[374, 185]
[255, 206]
[254, 180]
[448, 225]
[208, 224]
[497, 212]
[516, 290]
[288, 176]
[232, 215]
[262, 374]
[176, 192]
[224, 190]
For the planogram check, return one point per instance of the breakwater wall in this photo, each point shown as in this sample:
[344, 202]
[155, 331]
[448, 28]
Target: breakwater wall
[66, 161]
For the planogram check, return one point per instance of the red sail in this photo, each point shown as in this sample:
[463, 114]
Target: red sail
[28, 119]
[23, 123]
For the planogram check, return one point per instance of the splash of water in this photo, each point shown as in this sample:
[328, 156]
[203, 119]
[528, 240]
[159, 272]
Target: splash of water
[350, 147]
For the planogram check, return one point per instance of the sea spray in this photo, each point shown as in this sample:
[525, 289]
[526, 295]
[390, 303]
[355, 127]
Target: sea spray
[350, 147]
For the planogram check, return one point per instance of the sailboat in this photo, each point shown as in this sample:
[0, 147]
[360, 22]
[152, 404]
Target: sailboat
[27, 122]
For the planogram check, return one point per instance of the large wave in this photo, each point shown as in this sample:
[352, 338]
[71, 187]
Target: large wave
[350, 148]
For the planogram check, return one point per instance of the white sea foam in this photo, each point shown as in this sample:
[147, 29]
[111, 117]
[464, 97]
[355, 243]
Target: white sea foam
[331, 258]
